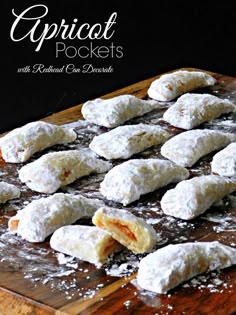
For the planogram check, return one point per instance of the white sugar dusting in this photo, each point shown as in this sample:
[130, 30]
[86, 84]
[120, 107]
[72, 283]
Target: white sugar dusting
[211, 282]
[73, 277]
[77, 124]
[82, 126]
[153, 220]
[122, 264]
[225, 220]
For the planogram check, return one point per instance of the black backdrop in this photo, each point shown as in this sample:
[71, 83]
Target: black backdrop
[156, 36]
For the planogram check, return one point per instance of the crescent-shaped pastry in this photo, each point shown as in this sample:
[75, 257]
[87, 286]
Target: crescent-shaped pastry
[188, 147]
[88, 243]
[173, 264]
[192, 197]
[126, 228]
[115, 111]
[8, 192]
[171, 85]
[43, 216]
[126, 182]
[54, 170]
[191, 110]
[124, 141]
[21, 143]
[224, 162]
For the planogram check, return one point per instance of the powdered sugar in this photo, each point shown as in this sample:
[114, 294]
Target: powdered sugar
[225, 220]
[75, 279]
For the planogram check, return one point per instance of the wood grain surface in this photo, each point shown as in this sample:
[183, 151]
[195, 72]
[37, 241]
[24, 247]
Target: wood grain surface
[25, 290]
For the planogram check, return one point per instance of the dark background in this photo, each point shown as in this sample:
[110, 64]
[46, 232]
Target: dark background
[156, 36]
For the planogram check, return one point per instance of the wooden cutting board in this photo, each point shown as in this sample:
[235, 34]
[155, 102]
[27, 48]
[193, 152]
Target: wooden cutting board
[34, 279]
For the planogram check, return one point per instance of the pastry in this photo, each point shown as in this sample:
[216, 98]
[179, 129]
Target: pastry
[192, 197]
[126, 182]
[188, 147]
[8, 192]
[224, 162]
[115, 111]
[171, 85]
[173, 264]
[124, 141]
[88, 243]
[126, 228]
[21, 143]
[43, 216]
[191, 110]
[54, 170]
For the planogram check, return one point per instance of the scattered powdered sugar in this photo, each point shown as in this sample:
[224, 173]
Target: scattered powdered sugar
[33, 262]
[157, 120]
[152, 299]
[226, 221]
[153, 220]
[122, 270]
[79, 124]
[225, 122]
[60, 272]
[226, 227]
[122, 264]
[229, 122]
[127, 304]
[83, 127]
[211, 281]
[69, 261]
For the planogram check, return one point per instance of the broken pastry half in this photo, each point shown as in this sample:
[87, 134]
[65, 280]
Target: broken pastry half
[21, 143]
[194, 196]
[126, 182]
[171, 85]
[124, 141]
[128, 229]
[43, 216]
[54, 170]
[224, 162]
[88, 243]
[171, 265]
[115, 111]
[191, 110]
[188, 147]
[8, 192]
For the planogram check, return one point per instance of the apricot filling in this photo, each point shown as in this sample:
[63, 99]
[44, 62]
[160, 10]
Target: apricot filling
[100, 224]
[124, 229]
[2, 161]
[14, 224]
[169, 87]
[66, 173]
[109, 248]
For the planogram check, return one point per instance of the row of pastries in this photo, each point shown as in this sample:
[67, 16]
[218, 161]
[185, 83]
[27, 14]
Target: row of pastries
[126, 182]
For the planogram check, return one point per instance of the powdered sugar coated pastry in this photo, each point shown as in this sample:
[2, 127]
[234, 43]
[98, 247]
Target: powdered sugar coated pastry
[88, 243]
[126, 228]
[173, 264]
[224, 162]
[202, 193]
[171, 85]
[54, 170]
[21, 143]
[126, 182]
[191, 110]
[188, 147]
[8, 192]
[115, 111]
[42, 217]
[124, 141]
